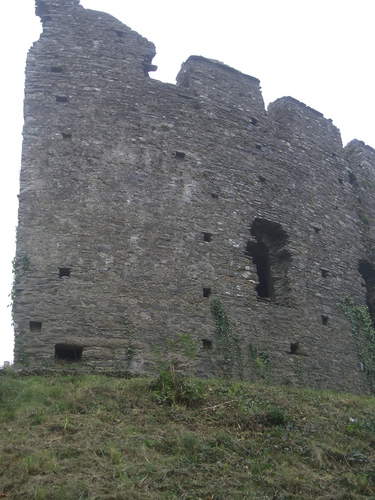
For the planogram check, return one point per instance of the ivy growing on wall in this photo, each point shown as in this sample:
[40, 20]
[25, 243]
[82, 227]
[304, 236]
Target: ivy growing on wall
[22, 356]
[130, 348]
[228, 353]
[364, 336]
[224, 341]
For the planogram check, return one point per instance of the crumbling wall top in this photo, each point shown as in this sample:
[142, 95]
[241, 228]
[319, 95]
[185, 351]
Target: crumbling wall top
[222, 84]
[43, 6]
[360, 146]
[197, 61]
[298, 120]
[83, 32]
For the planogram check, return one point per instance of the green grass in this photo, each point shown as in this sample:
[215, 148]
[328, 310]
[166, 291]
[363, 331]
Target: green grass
[92, 436]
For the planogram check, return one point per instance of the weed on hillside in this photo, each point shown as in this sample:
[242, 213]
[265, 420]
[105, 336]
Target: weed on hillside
[90, 436]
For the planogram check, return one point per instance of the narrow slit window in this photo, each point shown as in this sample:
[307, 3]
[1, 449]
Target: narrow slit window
[353, 179]
[56, 69]
[61, 98]
[325, 320]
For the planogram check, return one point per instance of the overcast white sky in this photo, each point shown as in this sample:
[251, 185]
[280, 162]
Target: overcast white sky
[318, 51]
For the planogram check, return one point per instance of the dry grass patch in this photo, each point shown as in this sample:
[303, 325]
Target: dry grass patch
[87, 436]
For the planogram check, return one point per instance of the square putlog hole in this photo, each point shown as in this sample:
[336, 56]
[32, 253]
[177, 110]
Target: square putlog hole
[35, 326]
[207, 344]
[64, 272]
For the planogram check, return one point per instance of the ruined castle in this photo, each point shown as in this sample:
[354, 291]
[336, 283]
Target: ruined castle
[141, 200]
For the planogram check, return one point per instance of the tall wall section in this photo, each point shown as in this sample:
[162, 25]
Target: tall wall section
[140, 199]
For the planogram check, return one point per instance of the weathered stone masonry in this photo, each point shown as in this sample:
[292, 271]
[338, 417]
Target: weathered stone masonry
[139, 198]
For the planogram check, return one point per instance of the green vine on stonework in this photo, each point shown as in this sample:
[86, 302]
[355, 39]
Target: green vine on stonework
[259, 359]
[364, 336]
[228, 350]
[22, 357]
[25, 264]
[13, 290]
[130, 348]
[224, 342]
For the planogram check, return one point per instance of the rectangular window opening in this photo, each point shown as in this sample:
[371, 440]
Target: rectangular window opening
[325, 320]
[206, 292]
[179, 155]
[56, 69]
[66, 136]
[207, 236]
[68, 353]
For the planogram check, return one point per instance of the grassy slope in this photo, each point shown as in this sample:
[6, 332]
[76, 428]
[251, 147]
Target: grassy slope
[87, 436]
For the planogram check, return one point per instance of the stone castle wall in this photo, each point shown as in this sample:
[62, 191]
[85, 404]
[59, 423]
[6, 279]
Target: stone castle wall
[140, 199]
